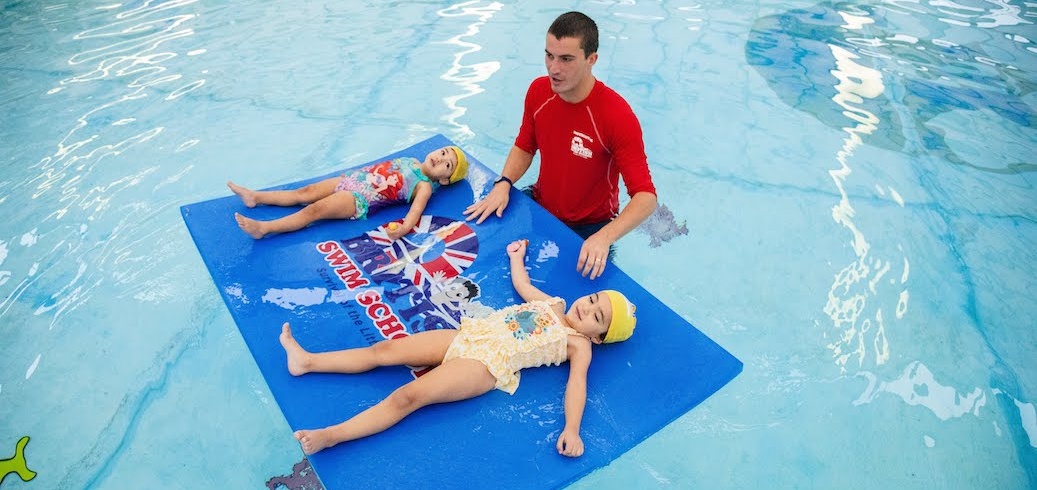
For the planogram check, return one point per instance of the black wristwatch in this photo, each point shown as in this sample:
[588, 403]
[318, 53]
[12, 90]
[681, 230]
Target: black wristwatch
[502, 178]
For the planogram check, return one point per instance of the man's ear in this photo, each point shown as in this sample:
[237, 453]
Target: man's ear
[593, 58]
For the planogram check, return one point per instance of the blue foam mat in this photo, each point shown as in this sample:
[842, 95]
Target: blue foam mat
[325, 279]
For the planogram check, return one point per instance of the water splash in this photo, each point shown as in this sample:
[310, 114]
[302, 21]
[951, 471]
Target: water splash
[548, 250]
[662, 226]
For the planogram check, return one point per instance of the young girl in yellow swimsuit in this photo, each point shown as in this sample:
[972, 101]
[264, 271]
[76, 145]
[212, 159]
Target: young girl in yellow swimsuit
[481, 355]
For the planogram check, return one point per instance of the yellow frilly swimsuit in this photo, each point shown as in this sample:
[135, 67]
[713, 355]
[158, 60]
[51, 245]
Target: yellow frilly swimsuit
[517, 337]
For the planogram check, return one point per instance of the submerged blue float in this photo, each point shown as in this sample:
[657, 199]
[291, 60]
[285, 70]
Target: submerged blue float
[343, 284]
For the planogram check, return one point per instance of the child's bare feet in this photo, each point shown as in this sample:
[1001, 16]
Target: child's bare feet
[298, 358]
[248, 225]
[248, 196]
[314, 440]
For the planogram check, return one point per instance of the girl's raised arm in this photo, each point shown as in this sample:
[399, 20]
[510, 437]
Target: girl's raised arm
[519, 276]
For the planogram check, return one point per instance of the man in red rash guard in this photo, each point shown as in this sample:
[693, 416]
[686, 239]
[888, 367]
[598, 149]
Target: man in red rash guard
[588, 137]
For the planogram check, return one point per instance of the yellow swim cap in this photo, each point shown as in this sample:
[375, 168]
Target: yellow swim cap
[461, 170]
[623, 318]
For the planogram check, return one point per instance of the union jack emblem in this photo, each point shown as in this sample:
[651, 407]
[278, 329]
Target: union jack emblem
[437, 249]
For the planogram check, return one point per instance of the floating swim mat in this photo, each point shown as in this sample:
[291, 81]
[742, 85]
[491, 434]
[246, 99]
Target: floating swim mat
[343, 283]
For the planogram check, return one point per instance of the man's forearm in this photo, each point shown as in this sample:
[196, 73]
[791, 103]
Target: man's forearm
[517, 163]
[640, 207]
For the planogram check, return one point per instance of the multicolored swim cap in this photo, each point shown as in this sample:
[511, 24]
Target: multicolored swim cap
[461, 170]
[623, 318]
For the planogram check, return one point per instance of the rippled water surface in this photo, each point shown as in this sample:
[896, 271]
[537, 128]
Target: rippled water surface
[850, 189]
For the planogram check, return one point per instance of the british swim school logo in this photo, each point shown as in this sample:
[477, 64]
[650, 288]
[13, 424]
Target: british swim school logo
[577, 145]
[411, 284]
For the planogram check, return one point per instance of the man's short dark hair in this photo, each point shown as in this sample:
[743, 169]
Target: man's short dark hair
[579, 26]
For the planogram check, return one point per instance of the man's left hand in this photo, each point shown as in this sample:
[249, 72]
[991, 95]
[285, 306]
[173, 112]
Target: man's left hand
[593, 255]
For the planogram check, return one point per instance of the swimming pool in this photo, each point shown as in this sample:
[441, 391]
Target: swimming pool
[856, 180]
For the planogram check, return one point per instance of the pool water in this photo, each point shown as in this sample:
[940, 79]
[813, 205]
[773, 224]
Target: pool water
[849, 208]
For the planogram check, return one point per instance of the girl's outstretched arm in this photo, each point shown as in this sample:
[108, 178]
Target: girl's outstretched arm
[569, 443]
[422, 193]
[519, 276]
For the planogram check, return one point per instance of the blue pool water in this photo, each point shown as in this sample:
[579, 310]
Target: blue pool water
[856, 180]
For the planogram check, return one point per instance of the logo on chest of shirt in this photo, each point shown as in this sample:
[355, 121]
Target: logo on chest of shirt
[577, 145]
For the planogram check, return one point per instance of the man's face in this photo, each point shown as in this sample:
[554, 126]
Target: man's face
[566, 65]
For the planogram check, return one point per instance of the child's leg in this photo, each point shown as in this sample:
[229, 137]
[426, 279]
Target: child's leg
[456, 379]
[420, 349]
[338, 205]
[303, 195]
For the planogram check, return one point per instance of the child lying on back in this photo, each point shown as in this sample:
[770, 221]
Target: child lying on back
[481, 355]
[358, 193]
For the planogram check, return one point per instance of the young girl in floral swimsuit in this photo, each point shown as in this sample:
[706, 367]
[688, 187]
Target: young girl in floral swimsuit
[481, 355]
[358, 193]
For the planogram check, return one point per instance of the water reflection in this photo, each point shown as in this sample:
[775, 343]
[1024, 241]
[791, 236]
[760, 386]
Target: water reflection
[859, 326]
[896, 67]
[933, 75]
[129, 55]
[917, 385]
[84, 206]
[467, 76]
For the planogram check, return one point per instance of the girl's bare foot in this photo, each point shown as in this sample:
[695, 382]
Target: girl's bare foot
[248, 225]
[314, 440]
[298, 358]
[248, 196]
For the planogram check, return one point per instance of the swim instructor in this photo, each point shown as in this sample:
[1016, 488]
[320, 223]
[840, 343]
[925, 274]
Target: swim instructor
[588, 137]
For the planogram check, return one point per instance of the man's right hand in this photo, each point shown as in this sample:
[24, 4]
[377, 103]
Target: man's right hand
[493, 203]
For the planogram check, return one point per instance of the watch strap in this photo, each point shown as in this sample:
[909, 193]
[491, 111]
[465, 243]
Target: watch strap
[502, 178]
